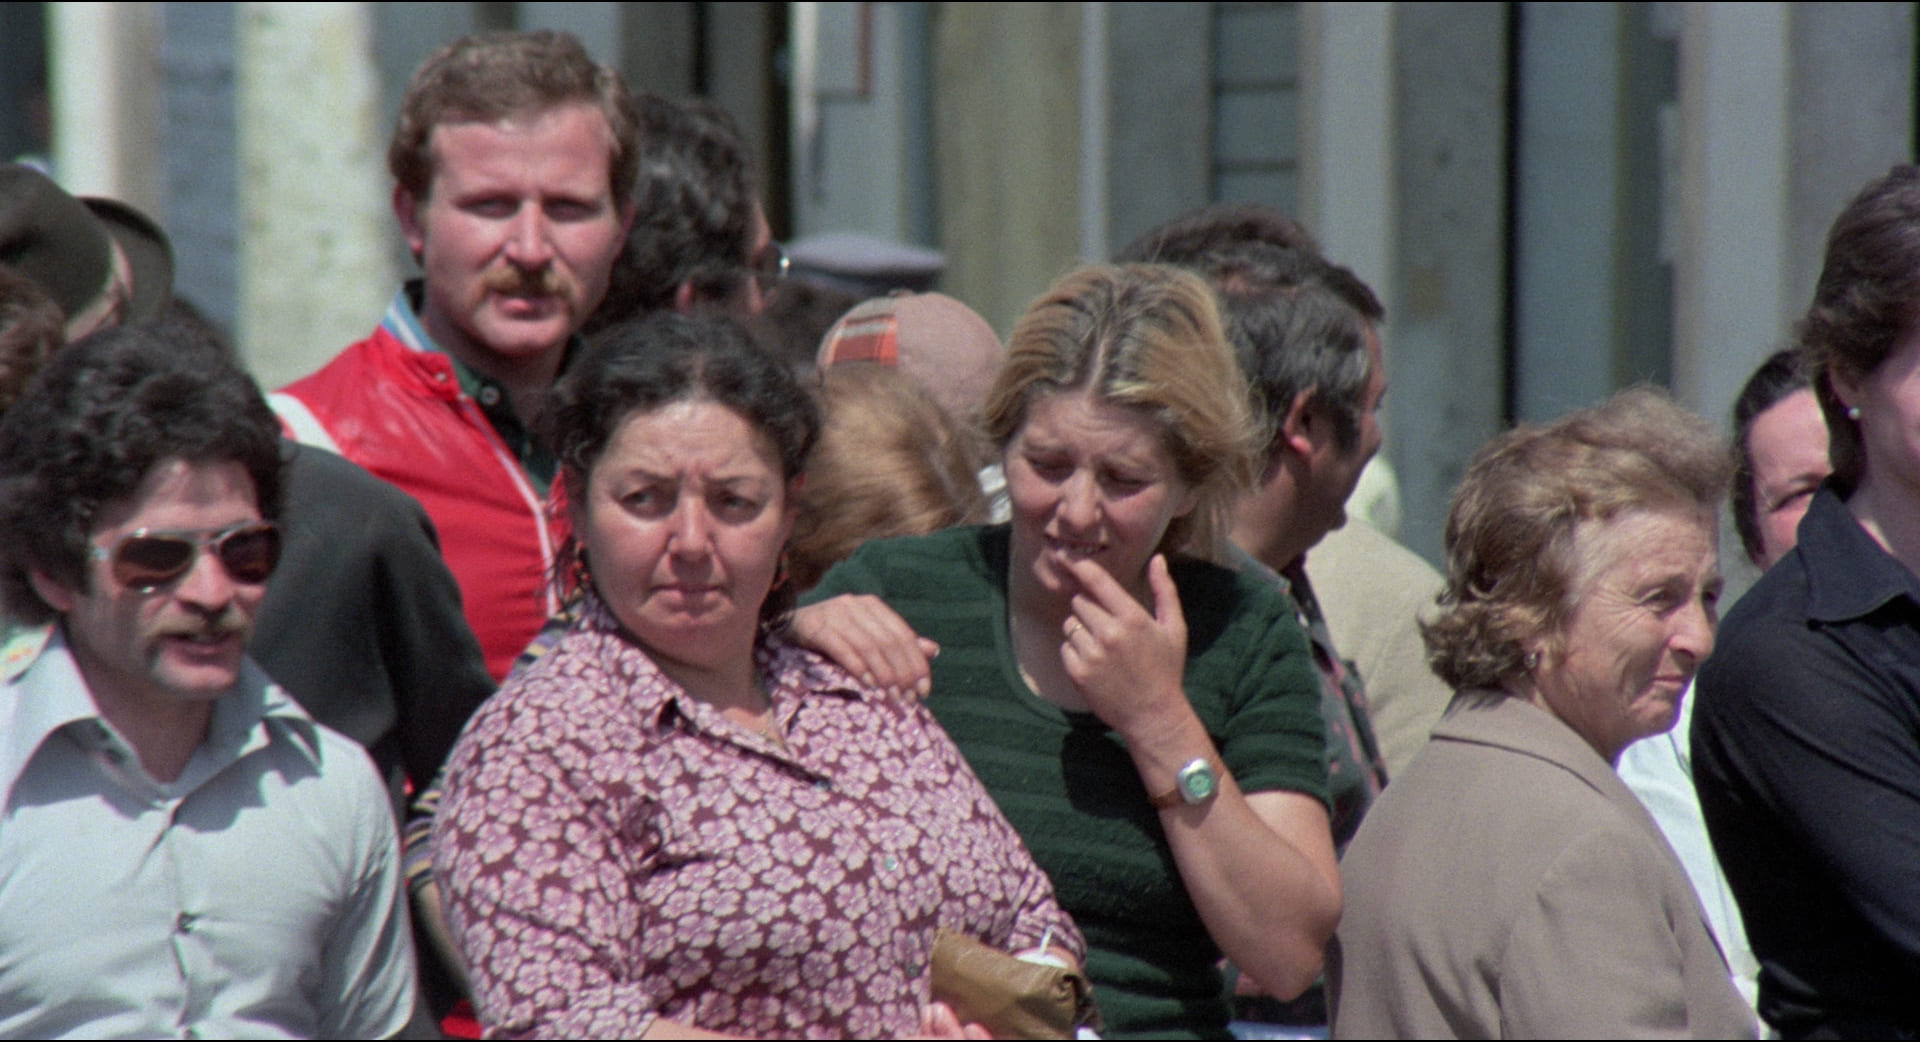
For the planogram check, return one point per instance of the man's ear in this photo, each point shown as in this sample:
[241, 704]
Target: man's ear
[406, 210]
[1846, 385]
[53, 591]
[1296, 433]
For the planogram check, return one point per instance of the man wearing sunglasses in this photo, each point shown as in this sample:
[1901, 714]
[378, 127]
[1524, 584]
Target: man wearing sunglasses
[183, 850]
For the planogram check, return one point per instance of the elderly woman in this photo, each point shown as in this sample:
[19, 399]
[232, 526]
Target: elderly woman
[1508, 884]
[1148, 721]
[674, 820]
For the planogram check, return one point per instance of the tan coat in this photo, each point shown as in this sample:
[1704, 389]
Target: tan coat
[1510, 886]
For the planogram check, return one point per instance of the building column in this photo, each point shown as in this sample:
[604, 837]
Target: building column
[315, 222]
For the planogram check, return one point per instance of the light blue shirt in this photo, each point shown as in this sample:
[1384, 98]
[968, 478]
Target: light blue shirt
[257, 896]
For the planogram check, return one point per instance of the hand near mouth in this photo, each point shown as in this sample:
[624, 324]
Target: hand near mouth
[1127, 664]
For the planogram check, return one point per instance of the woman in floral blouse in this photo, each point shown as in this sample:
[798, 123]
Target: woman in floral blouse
[676, 820]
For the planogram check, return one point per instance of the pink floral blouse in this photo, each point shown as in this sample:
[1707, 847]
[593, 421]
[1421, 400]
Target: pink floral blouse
[612, 850]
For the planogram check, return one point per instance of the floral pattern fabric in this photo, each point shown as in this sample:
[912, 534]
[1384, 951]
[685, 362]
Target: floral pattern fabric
[613, 850]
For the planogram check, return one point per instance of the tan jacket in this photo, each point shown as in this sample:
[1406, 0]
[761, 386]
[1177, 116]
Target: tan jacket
[1509, 885]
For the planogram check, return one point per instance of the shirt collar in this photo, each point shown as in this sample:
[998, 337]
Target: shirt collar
[1848, 574]
[52, 695]
[402, 321]
[792, 674]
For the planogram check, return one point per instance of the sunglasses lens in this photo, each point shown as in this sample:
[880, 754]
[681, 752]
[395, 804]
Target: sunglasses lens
[250, 554]
[146, 561]
[149, 560]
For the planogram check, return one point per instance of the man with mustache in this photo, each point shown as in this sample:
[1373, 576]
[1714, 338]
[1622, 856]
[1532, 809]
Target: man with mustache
[513, 161]
[185, 852]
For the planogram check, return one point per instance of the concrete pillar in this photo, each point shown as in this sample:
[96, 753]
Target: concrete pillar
[1449, 265]
[1156, 88]
[1852, 116]
[1007, 150]
[103, 60]
[1347, 138]
[315, 273]
[1730, 294]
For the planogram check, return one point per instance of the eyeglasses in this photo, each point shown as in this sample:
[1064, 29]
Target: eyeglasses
[769, 268]
[147, 558]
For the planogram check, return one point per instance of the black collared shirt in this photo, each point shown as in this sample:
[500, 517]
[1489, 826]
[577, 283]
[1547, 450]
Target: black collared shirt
[491, 395]
[1806, 755]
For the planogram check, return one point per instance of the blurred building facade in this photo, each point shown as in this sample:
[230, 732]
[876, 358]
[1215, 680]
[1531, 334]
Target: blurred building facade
[1554, 199]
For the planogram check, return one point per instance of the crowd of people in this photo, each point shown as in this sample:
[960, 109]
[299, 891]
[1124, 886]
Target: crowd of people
[565, 660]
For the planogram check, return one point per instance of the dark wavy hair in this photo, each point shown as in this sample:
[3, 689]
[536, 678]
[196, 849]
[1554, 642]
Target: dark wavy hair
[1863, 303]
[1512, 553]
[637, 367]
[1181, 241]
[494, 76]
[694, 198]
[101, 415]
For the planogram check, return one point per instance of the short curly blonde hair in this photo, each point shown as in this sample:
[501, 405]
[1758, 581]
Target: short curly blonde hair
[1512, 565]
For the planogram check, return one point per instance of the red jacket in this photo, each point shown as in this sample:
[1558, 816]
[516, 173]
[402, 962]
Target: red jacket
[399, 412]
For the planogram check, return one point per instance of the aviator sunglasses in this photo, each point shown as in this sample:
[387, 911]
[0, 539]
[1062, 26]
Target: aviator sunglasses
[148, 558]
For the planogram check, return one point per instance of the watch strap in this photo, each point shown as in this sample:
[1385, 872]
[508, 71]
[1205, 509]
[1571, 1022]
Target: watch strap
[1177, 796]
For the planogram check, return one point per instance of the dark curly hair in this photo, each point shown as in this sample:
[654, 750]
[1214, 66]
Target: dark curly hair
[637, 367]
[101, 415]
[694, 200]
[494, 76]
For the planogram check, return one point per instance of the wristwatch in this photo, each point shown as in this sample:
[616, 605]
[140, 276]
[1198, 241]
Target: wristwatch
[1195, 783]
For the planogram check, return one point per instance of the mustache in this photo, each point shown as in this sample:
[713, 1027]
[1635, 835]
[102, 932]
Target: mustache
[513, 280]
[230, 621]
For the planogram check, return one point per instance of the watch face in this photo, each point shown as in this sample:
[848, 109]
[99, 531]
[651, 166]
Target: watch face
[1198, 782]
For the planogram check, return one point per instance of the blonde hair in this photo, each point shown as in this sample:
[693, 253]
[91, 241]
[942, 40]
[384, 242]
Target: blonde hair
[1147, 337]
[890, 462]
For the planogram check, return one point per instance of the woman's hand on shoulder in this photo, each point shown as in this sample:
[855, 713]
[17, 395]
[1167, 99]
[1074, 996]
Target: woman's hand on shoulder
[870, 640]
[1127, 662]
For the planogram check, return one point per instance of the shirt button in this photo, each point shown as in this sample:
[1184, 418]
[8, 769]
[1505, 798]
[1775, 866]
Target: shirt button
[889, 862]
[823, 785]
[489, 396]
[184, 923]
